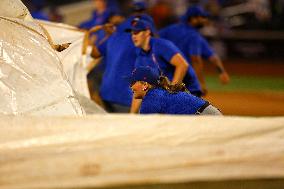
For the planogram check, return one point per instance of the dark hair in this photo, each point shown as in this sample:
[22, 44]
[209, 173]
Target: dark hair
[165, 84]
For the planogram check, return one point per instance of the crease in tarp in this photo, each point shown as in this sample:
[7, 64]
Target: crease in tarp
[14, 9]
[32, 72]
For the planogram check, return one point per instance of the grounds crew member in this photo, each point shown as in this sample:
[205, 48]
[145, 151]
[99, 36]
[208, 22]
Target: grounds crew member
[159, 96]
[193, 45]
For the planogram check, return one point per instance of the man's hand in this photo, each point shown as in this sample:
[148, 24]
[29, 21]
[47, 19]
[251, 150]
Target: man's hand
[224, 78]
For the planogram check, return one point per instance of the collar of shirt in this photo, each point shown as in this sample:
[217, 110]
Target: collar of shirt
[146, 53]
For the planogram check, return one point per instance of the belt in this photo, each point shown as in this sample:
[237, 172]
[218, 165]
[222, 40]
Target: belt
[202, 108]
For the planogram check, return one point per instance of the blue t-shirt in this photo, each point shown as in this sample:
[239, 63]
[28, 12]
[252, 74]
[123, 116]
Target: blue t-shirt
[159, 57]
[119, 55]
[96, 19]
[158, 100]
[188, 40]
[39, 15]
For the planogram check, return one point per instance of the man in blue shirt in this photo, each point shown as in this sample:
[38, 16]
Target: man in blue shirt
[193, 45]
[161, 55]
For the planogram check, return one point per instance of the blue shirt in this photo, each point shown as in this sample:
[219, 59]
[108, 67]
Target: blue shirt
[39, 15]
[158, 100]
[159, 57]
[119, 57]
[188, 40]
[97, 19]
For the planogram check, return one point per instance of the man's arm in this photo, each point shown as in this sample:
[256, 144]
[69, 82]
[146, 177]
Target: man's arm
[181, 67]
[223, 75]
[135, 105]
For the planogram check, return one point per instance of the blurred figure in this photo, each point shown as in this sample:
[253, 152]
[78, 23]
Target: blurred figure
[100, 15]
[97, 66]
[161, 55]
[193, 45]
[158, 95]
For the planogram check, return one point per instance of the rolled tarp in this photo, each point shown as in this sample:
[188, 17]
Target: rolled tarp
[154, 151]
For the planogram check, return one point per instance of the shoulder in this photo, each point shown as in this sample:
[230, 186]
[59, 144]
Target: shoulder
[170, 28]
[193, 38]
[161, 42]
[152, 102]
[156, 95]
[164, 48]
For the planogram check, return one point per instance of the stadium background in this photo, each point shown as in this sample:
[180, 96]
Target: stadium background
[251, 48]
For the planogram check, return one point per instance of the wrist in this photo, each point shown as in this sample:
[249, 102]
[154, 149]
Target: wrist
[220, 70]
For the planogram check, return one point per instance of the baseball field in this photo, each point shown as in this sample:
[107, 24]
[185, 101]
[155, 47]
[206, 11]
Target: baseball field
[256, 88]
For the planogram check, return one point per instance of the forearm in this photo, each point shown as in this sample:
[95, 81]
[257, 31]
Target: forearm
[135, 105]
[181, 67]
[95, 28]
[223, 75]
[218, 63]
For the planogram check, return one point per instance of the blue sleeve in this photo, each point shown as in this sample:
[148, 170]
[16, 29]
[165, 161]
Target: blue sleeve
[102, 47]
[86, 25]
[207, 51]
[166, 49]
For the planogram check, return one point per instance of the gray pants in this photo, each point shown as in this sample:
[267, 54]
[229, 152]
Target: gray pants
[116, 108]
[211, 110]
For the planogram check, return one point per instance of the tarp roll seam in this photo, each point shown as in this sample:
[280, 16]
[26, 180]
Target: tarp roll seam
[15, 22]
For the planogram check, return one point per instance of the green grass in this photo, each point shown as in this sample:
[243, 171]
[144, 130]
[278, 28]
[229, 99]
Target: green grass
[247, 83]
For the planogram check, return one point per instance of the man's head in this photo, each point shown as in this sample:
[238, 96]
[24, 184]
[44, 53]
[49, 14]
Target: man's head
[139, 6]
[196, 16]
[142, 79]
[141, 30]
[100, 5]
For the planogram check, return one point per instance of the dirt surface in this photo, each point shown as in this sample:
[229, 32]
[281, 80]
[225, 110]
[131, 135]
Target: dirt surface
[250, 103]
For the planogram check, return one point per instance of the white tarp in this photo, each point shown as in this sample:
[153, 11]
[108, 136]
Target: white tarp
[72, 59]
[113, 150]
[14, 9]
[32, 80]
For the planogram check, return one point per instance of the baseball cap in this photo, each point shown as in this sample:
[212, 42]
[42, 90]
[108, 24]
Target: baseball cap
[194, 11]
[138, 6]
[146, 17]
[140, 23]
[144, 73]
